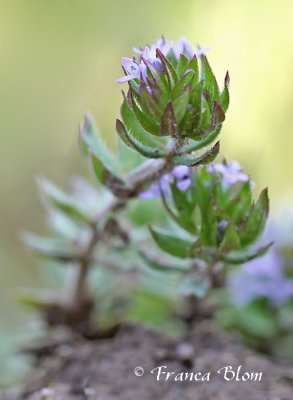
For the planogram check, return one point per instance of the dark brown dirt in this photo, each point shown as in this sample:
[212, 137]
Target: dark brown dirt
[104, 369]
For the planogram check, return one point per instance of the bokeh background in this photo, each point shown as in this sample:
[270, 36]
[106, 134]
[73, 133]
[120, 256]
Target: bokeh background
[61, 57]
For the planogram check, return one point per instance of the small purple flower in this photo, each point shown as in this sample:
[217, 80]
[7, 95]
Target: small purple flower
[183, 177]
[133, 69]
[231, 173]
[183, 46]
[222, 225]
[181, 174]
[262, 278]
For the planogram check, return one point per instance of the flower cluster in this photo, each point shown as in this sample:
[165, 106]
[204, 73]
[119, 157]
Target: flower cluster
[135, 69]
[214, 205]
[262, 278]
[174, 106]
[181, 174]
[231, 173]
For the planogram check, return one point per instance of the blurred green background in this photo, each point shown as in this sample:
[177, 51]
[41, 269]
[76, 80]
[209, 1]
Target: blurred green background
[61, 57]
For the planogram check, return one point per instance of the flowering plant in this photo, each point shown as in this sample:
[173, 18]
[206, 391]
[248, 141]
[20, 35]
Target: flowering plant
[173, 108]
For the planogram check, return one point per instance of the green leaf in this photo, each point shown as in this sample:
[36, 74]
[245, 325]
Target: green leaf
[251, 229]
[218, 115]
[180, 104]
[197, 145]
[182, 65]
[172, 244]
[138, 144]
[239, 202]
[194, 286]
[165, 263]
[134, 136]
[59, 249]
[196, 220]
[169, 69]
[147, 122]
[38, 299]
[230, 240]
[168, 124]
[94, 142]
[203, 159]
[184, 81]
[209, 228]
[62, 201]
[194, 66]
[148, 103]
[210, 81]
[225, 97]
[205, 115]
[243, 256]
[102, 174]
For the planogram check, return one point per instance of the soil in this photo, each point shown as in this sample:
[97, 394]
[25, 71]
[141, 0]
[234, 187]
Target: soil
[103, 369]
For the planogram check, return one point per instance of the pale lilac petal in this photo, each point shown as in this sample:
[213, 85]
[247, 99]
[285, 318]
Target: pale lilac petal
[125, 78]
[127, 63]
[202, 50]
[231, 173]
[137, 51]
[262, 277]
[184, 184]
[153, 192]
[182, 45]
[222, 225]
[182, 175]
[181, 171]
[158, 64]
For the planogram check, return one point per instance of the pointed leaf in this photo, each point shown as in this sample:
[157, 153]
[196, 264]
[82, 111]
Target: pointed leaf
[218, 115]
[38, 299]
[205, 114]
[255, 223]
[194, 66]
[157, 76]
[168, 124]
[196, 220]
[169, 69]
[103, 175]
[243, 256]
[225, 97]
[209, 228]
[147, 122]
[132, 141]
[210, 80]
[197, 145]
[148, 103]
[182, 65]
[205, 158]
[140, 137]
[180, 104]
[59, 249]
[192, 286]
[184, 81]
[165, 263]
[230, 240]
[62, 201]
[94, 142]
[171, 243]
